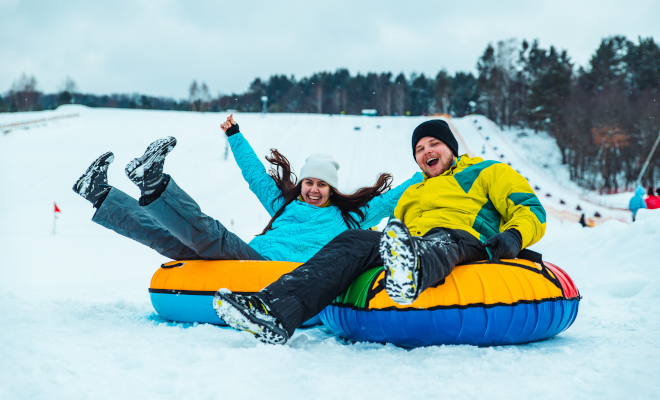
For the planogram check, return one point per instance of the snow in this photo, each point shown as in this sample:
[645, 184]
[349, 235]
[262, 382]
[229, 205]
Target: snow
[77, 321]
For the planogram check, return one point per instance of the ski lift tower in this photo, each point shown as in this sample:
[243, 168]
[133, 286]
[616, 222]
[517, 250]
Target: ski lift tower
[264, 99]
[646, 164]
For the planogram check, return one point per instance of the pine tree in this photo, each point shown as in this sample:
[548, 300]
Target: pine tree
[420, 95]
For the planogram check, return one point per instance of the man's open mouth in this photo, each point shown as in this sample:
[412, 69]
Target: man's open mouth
[432, 162]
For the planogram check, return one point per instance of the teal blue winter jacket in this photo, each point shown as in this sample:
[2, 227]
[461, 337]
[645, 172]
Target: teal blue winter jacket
[637, 200]
[302, 229]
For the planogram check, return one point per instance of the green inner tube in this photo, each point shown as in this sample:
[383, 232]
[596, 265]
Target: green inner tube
[358, 293]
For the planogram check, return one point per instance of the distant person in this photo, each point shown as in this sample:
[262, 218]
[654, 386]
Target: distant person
[583, 222]
[305, 214]
[652, 201]
[637, 201]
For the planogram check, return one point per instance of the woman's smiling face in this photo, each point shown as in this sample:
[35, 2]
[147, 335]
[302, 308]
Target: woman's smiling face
[315, 191]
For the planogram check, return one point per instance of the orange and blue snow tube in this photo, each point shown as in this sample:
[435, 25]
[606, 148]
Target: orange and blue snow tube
[485, 303]
[183, 291]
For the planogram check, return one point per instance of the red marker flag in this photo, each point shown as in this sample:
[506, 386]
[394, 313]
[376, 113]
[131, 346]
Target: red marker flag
[55, 212]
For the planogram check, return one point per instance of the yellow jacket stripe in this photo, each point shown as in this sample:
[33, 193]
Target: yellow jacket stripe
[477, 196]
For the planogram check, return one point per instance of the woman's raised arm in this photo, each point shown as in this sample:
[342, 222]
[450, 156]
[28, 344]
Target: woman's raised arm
[254, 172]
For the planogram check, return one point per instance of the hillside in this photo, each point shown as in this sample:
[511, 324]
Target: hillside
[77, 321]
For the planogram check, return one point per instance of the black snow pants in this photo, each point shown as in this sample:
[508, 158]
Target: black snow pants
[172, 224]
[304, 292]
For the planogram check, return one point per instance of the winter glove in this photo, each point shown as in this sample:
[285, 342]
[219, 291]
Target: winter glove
[233, 129]
[506, 244]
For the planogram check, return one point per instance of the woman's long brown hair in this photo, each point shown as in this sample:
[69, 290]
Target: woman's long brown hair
[286, 181]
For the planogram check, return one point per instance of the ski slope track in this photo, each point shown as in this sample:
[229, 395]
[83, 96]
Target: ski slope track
[76, 321]
[487, 141]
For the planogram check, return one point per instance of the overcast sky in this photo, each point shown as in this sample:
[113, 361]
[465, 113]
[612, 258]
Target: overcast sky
[158, 47]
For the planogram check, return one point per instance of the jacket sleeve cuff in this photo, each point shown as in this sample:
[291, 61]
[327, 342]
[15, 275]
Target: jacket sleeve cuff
[232, 130]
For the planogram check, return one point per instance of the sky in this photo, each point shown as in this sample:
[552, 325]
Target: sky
[158, 47]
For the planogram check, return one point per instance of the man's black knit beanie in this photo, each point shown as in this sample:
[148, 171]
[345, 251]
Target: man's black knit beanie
[438, 129]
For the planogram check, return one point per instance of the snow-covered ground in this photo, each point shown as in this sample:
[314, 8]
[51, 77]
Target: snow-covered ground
[77, 323]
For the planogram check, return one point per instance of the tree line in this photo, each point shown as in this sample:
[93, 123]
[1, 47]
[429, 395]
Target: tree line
[605, 116]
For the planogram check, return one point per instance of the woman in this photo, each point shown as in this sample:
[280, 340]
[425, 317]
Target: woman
[305, 215]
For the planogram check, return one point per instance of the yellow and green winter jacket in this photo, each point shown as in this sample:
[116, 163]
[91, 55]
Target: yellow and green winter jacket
[477, 196]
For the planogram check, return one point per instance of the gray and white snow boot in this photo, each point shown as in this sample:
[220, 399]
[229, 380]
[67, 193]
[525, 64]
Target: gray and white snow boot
[402, 270]
[249, 314]
[147, 171]
[93, 184]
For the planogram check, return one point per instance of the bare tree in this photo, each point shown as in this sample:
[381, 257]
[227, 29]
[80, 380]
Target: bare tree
[442, 91]
[387, 100]
[67, 92]
[194, 96]
[205, 97]
[400, 94]
[24, 93]
[69, 85]
[497, 72]
[319, 98]
[505, 63]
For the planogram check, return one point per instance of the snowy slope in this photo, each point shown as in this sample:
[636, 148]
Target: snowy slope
[77, 321]
[537, 158]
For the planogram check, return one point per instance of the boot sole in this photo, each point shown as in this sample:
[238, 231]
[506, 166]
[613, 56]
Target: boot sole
[83, 183]
[237, 317]
[157, 149]
[400, 259]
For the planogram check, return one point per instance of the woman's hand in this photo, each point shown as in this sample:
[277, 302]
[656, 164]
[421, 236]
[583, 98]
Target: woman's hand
[228, 123]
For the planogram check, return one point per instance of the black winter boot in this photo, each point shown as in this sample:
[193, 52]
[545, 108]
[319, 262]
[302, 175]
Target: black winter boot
[249, 314]
[147, 171]
[402, 269]
[93, 184]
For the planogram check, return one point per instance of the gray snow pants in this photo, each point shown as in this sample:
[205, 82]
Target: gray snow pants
[173, 225]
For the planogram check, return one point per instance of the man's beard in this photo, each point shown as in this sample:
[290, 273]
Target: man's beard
[445, 164]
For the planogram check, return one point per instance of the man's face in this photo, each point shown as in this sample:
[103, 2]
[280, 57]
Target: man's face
[433, 156]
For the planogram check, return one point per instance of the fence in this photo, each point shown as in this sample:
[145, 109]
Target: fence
[9, 126]
[570, 216]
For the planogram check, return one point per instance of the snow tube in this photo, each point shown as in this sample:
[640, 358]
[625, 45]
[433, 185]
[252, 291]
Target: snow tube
[485, 303]
[183, 291]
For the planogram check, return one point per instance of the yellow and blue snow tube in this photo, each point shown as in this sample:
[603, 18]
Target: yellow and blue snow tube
[183, 291]
[485, 303]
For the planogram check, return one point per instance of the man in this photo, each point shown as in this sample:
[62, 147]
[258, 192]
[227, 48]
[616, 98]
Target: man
[465, 210]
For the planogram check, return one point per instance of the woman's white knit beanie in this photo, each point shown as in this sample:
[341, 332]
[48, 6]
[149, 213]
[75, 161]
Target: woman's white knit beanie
[321, 166]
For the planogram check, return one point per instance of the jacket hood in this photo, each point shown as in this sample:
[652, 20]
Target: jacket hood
[640, 190]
